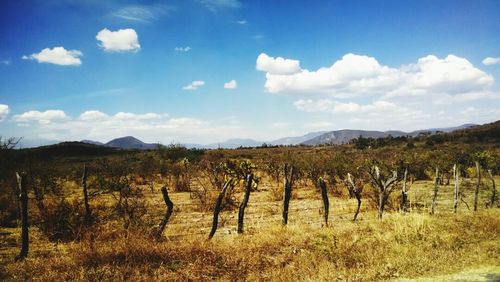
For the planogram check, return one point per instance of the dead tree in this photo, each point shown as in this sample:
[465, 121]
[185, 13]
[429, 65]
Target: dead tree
[384, 188]
[404, 192]
[168, 213]
[225, 189]
[355, 190]
[436, 185]
[324, 195]
[457, 192]
[243, 205]
[23, 198]
[88, 213]
[476, 193]
[288, 182]
[494, 189]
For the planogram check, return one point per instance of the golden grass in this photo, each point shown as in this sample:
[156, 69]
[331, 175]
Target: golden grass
[401, 246]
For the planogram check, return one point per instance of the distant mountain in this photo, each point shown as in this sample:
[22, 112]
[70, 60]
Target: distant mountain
[343, 136]
[92, 142]
[234, 143]
[130, 142]
[296, 140]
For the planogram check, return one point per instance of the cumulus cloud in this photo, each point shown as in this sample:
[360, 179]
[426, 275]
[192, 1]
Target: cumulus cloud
[4, 111]
[57, 56]
[122, 40]
[182, 49]
[328, 105]
[231, 85]
[277, 66]
[5, 62]
[214, 5]
[356, 75]
[45, 117]
[194, 85]
[149, 127]
[143, 13]
[242, 22]
[491, 61]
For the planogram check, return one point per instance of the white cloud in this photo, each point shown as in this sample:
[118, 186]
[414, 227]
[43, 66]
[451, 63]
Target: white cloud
[277, 66]
[328, 105]
[131, 116]
[41, 117]
[4, 111]
[242, 22]
[182, 49]
[356, 75]
[194, 85]
[92, 116]
[231, 85]
[5, 62]
[143, 13]
[491, 61]
[214, 5]
[122, 40]
[56, 56]
[149, 127]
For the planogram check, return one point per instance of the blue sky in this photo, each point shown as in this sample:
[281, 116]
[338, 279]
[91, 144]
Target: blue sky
[203, 71]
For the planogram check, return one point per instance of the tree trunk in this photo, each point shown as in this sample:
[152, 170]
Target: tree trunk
[287, 192]
[23, 198]
[494, 191]
[404, 192]
[88, 214]
[381, 204]
[324, 195]
[455, 198]
[476, 193]
[436, 184]
[246, 197]
[170, 209]
[358, 197]
[217, 208]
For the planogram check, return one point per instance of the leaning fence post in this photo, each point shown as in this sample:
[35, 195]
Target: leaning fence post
[287, 191]
[494, 191]
[326, 203]
[217, 208]
[23, 198]
[241, 212]
[436, 183]
[404, 192]
[170, 209]
[88, 214]
[455, 198]
[476, 193]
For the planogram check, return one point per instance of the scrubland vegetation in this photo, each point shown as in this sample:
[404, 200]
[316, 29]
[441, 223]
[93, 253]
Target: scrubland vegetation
[117, 240]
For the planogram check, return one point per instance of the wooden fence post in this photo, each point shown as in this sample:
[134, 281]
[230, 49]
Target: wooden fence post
[476, 193]
[288, 182]
[227, 186]
[404, 192]
[243, 205]
[23, 198]
[494, 191]
[455, 198]
[355, 189]
[170, 209]
[436, 184]
[324, 195]
[88, 213]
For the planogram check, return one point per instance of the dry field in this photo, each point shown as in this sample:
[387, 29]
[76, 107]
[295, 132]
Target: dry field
[415, 245]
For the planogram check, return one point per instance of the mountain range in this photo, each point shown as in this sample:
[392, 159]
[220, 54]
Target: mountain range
[335, 137]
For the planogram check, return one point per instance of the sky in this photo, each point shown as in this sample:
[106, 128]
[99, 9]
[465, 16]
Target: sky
[204, 71]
